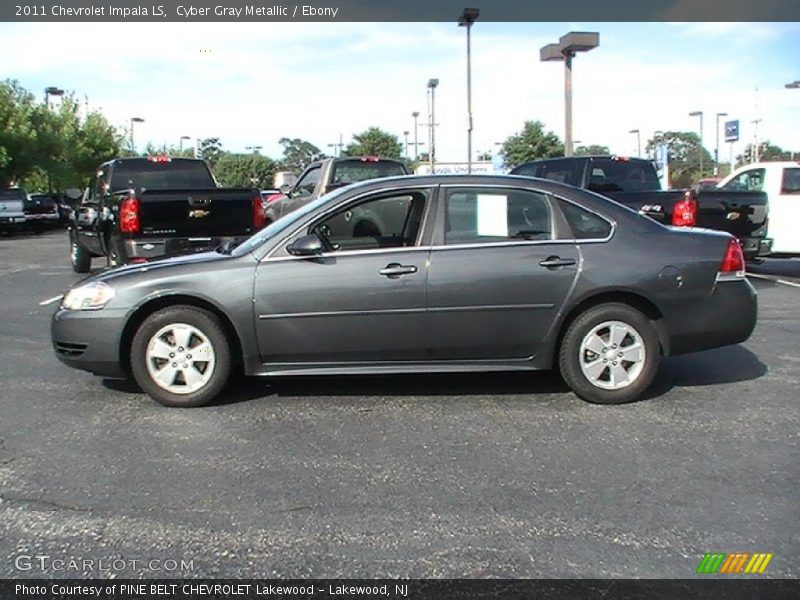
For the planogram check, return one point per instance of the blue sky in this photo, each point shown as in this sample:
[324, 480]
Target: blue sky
[253, 83]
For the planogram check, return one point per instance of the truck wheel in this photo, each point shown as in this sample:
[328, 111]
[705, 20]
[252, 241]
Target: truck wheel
[81, 260]
[181, 356]
[610, 354]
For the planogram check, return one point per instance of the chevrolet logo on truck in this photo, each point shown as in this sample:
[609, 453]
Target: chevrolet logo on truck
[198, 213]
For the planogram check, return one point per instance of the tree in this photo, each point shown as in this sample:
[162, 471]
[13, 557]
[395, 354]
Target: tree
[485, 155]
[17, 135]
[245, 170]
[592, 150]
[766, 152]
[531, 143]
[685, 151]
[298, 154]
[210, 150]
[374, 142]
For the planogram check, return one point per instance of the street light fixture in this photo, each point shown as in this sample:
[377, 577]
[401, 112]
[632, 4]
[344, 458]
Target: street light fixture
[405, 136]
[638, 142]
[432, 85]
[716, 147]
[467, 18]
[253, 149]
[565, 50]
[134, 120]
[180, 142]
[699, 113]
[51, 91]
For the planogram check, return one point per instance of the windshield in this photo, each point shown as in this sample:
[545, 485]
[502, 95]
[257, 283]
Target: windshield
[285, 222]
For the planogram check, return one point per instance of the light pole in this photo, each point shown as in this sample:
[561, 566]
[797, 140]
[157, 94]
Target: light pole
[699, 113]
[415, 115]
[638, 142]
[467, 18]
[134, 120]
[51, 91]
[180, 143]
[405, 137]
[716, 146]
[565, 50]
[432, 85]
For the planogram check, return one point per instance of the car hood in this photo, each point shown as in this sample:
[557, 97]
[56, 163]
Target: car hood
[165, 264]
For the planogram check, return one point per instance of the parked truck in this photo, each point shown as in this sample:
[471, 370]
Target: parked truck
[780, 181]
[140, 209]
[634, 182]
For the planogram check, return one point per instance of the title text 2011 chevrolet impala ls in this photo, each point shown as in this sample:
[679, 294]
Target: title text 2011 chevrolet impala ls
[433, 274]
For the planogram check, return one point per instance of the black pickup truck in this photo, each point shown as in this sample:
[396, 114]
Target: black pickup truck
[325, 175]
[634, 183]
[141, 209]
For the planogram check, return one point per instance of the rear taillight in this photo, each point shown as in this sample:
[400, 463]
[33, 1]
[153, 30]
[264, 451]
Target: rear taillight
[733, 262]
[258, 212]
[129, 220]
[684, 213]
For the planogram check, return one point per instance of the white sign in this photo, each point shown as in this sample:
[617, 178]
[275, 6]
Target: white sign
[492, 215]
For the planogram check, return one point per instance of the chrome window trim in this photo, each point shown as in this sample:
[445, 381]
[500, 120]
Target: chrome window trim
[367, 251]
[611, 222]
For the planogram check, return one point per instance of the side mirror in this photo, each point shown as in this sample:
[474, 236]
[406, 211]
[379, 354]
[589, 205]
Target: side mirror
[73, 193]
[308, 245]
[285, 189]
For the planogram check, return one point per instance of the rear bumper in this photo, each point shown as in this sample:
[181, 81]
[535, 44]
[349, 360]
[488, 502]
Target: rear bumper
[727, 316]
[12, 222]
[756, 247]
[89, 340]
[146, 249]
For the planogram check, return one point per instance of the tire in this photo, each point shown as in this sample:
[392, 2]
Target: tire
[79, 257]
[588, 349]
[185, 382]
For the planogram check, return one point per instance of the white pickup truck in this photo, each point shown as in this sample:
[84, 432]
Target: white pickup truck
[781, 182]
[12, 210]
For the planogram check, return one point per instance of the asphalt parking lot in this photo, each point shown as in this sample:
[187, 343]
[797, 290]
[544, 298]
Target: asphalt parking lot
[423, 476]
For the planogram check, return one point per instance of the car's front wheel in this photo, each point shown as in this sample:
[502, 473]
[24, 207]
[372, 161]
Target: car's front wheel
[610, 354]
[181, 356]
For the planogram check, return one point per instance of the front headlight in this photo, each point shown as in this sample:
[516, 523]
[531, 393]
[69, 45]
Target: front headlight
[92, 296]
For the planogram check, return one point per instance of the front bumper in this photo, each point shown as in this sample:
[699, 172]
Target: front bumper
[90, 340]
[727, 316]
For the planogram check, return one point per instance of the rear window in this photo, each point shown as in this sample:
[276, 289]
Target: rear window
[568, 171]
[40, 200]
[791, 181]
[607, 175]
[15, 194]
[152, 175]
[353, 171]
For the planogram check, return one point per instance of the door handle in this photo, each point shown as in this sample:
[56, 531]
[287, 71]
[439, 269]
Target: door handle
[394, 270]
[556, 261]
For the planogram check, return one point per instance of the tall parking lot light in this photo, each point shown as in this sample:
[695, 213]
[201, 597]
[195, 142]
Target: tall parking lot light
[432, 85]
[51, 91]
[565, 50]
[699, 113]
[638, 142]
[467, 18]
[415, 116]
[180, 142]
[134, 120]
[716, 144]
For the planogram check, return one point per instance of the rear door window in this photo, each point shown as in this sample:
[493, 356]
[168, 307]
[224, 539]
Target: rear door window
[791, 181]
[585, 225]
[481, 215]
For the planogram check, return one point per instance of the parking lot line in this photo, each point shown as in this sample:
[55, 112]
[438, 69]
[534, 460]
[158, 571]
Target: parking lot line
[775, 279]
[51, 300]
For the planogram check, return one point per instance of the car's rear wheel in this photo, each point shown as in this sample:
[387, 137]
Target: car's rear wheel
[610, 354]
[180, 356]
[81, 260]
